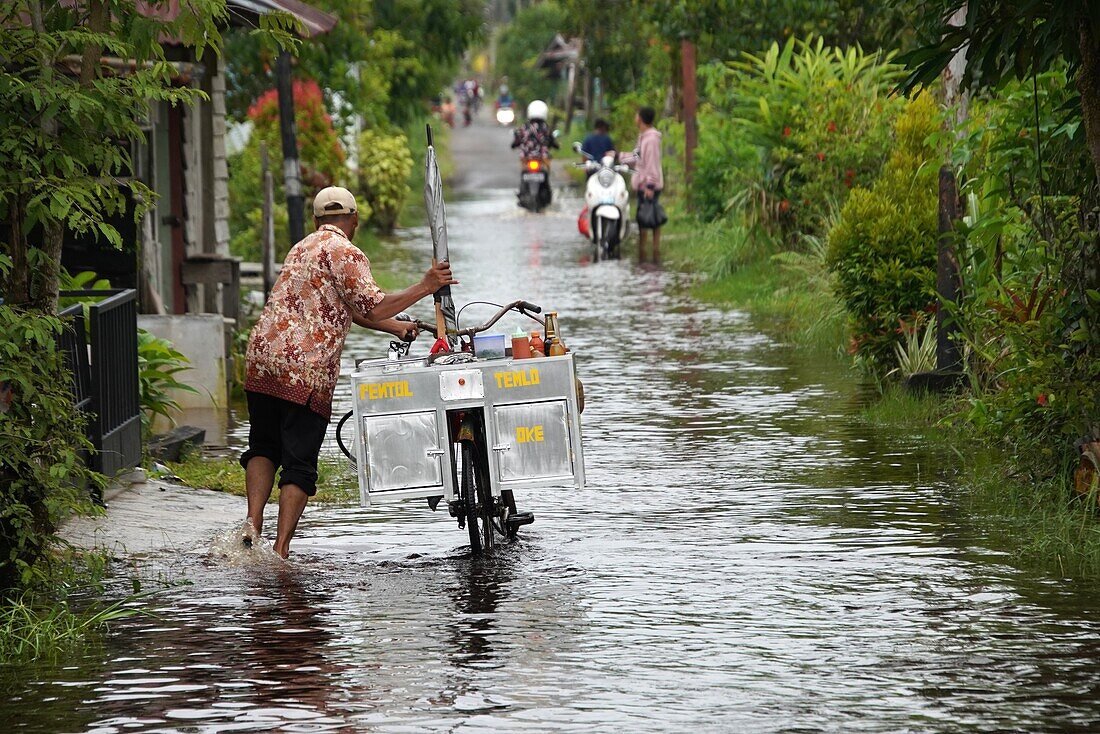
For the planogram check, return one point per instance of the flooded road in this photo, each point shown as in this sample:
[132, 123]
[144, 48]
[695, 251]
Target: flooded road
[748, 556]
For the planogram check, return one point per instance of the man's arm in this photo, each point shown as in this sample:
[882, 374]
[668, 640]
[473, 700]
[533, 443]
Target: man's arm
[392, 304]
[401, 329]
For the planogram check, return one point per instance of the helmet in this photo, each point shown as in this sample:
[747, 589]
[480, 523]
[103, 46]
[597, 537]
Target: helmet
[503, 89]
[537, 110]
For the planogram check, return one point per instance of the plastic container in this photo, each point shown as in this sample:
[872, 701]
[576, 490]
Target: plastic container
[521, 345]
[490, 346]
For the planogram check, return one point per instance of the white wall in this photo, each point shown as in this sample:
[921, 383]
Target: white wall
[201, 338]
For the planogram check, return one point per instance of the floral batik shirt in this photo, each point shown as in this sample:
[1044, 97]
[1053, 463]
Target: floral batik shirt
[294, 349]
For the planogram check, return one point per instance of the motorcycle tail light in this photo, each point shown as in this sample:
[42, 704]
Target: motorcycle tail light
[534, 165]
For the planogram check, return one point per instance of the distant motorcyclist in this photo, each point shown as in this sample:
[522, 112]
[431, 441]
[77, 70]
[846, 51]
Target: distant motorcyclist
[535, 139]
[504, 99]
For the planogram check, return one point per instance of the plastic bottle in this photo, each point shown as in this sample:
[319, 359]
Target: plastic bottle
[538, 347]
[521, 347]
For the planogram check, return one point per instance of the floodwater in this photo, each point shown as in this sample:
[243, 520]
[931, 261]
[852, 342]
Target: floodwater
[748, 556]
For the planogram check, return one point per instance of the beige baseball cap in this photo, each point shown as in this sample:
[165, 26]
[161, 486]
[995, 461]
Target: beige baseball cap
[333, 200]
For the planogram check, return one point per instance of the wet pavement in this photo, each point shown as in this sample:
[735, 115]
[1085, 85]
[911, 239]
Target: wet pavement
[748, 556]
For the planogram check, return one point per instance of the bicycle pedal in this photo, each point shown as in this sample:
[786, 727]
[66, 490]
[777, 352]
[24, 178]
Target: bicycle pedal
[521, 518]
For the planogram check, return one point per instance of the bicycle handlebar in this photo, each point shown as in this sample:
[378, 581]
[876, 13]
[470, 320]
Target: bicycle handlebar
[526, 308]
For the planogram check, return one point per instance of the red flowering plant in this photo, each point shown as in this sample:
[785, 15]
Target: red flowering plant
[319, 146]
[322, 164]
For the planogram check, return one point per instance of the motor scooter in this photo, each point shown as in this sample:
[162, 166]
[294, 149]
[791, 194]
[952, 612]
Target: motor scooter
[506, 114]
[607, 201]
[534, 184]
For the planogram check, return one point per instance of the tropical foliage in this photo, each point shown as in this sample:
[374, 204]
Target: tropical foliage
[322, 158]
[62, 168]
[816, 120]
[883, 248]
[385, 165]
[42, 479]
[158, 364]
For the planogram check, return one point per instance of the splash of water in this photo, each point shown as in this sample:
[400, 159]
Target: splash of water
[242, 545]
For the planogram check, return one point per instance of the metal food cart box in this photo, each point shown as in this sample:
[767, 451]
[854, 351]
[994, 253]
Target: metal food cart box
[531, 416]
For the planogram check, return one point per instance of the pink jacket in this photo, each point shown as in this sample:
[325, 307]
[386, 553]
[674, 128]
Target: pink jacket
[646, 161]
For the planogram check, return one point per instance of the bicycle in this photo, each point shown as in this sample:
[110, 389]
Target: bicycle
[482, 471]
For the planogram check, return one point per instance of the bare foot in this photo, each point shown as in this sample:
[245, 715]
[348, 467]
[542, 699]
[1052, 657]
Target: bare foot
[249, 534]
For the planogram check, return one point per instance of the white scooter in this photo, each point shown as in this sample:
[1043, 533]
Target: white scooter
[607, 200]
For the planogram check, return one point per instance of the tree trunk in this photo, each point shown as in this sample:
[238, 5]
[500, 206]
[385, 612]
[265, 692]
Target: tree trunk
[1088, 84]
[691, 129]
[46, 278]
[97, 22]
[17, 292]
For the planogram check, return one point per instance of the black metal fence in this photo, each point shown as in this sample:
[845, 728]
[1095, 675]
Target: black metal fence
[104, 365]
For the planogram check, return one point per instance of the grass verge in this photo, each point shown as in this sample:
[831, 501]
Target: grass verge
[1037, 522]
[787, 290]
[31, 628]
[44, 621]
[335, 480]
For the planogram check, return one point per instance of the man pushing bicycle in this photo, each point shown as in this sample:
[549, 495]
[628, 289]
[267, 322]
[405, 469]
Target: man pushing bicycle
[293, 357]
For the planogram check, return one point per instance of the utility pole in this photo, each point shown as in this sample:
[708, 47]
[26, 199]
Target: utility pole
[292, 181]
[268, 225]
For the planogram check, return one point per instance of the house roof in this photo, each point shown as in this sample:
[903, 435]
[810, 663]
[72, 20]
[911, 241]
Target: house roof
[314, 22]
[559, 50]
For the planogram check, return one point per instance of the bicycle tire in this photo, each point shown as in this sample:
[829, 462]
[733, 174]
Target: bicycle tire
[484, 500]
[469, 496]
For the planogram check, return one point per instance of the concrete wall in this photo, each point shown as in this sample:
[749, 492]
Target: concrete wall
[201, 338]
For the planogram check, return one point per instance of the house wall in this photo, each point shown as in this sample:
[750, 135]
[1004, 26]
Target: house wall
[204, 214]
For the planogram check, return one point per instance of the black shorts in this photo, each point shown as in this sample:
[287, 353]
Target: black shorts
[288, 434]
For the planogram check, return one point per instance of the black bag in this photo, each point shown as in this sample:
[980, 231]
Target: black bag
[651, 214]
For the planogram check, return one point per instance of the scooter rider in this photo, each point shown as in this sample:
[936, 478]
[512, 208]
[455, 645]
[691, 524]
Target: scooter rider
[598, 143]
[535, 139]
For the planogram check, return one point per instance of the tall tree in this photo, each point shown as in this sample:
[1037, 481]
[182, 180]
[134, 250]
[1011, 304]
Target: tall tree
[1015, 39]
[383, 60]
[68, 118]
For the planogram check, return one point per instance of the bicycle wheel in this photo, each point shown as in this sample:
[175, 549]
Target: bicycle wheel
[469, 495]
[485, 504]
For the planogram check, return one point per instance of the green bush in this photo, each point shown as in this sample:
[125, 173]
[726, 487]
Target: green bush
[385, 164]
[883, 249]
[819, 118]
[42, 476]
[1030, 312]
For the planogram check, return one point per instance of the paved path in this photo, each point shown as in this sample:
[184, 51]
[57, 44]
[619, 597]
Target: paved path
[156, 516]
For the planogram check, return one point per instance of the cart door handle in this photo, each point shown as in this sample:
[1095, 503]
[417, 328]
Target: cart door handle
[434, 452]
[502, 447]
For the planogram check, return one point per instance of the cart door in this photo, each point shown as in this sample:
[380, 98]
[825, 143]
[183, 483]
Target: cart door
[532, 442]
[404, 454]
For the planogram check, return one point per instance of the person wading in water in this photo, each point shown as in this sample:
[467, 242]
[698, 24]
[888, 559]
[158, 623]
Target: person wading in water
[648, 177]
[293, 356]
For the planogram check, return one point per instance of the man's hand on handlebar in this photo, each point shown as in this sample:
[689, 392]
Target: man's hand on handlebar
[406, 331]
[438, 276]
